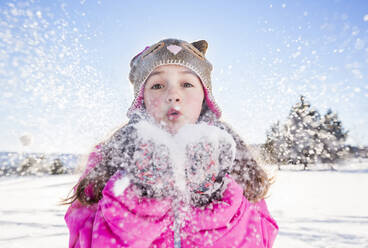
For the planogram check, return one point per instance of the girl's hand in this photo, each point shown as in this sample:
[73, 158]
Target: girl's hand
[196, 159]
[208, 161]
[152, 166]
[152, 162]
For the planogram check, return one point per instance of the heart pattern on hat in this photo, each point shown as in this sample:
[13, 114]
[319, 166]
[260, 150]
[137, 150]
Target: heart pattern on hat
[174, 49]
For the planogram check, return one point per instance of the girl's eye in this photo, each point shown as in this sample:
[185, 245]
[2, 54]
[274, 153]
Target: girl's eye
[157, 86]
[188, 85]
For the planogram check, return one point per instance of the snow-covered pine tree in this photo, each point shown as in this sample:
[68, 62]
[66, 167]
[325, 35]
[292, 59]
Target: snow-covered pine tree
[271, 147]
[302, 129]
[332, 136]
[276, 147]
[57, 167]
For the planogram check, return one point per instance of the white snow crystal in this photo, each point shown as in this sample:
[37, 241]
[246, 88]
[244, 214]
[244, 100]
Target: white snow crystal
[120, 185]
[39, 14]
[357, 74]
[365, 18]
[26, 139]
[355, 31]
[359, 44]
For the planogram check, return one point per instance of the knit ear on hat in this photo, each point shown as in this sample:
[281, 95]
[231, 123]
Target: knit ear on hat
[201, 45]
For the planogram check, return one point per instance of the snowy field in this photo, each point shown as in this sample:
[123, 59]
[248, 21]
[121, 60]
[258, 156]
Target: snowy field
[313, 209]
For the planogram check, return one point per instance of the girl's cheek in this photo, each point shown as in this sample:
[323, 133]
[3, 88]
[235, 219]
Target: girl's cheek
[197, 102]
[154, 103]
[154, 108]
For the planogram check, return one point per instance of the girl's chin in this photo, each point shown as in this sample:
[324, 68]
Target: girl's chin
[174, 127]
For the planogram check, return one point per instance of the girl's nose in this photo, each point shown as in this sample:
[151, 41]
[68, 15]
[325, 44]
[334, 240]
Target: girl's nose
[173, 96]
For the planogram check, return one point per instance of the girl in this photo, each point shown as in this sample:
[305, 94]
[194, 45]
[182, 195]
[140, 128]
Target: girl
[175, 175]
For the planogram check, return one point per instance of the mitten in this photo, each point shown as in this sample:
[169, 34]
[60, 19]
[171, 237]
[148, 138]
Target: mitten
[151, 168]
[209, 157]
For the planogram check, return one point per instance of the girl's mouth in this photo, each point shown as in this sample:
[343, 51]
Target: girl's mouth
[173, 114]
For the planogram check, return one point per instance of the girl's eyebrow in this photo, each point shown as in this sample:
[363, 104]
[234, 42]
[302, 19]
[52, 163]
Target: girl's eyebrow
[153, 74]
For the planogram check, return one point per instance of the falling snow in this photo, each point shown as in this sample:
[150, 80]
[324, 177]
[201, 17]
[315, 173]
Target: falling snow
[53, 87]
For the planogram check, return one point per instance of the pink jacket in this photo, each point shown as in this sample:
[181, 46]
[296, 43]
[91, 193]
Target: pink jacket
[127, 220]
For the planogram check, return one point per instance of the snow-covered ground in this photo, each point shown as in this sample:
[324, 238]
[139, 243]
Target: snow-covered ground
[313, 209]
[321, 208]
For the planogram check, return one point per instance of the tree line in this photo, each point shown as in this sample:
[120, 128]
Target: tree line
[306, 137]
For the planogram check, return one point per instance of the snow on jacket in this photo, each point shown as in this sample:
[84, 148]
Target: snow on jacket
[128, 220]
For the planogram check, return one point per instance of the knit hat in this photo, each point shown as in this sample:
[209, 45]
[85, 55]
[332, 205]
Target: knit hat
[177, 52]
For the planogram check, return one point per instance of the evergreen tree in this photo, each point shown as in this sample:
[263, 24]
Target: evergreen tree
[57, 167]
[302, 133]
[333, 137]
[273, 143]
[306, 138]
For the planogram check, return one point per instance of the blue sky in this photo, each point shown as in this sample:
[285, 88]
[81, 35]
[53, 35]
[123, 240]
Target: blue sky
[64, 64]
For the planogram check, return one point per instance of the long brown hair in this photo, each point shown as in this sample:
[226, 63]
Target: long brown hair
[246, 172]
[96, 179]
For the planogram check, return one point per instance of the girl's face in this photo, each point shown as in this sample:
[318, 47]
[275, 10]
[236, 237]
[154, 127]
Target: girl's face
[173, 95]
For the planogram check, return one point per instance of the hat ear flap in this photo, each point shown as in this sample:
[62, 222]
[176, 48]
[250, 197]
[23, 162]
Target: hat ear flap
[201, 45]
